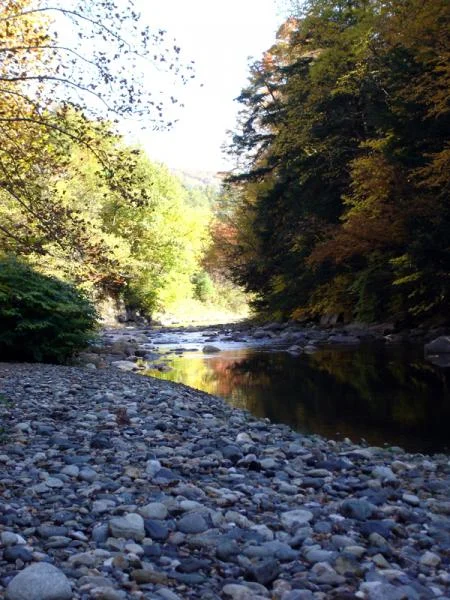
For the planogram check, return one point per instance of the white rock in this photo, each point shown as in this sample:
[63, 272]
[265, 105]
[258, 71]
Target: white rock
[232, 516]
[107, 593]
[124, 365]
[102, 506]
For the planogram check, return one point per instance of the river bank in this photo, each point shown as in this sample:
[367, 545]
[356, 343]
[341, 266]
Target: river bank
[365, 383]
[133, 487]
[125, 345]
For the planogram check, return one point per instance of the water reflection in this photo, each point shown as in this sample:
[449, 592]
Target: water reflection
[382, 395]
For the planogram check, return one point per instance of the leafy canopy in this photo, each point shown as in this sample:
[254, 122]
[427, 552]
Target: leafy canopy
[342, 153]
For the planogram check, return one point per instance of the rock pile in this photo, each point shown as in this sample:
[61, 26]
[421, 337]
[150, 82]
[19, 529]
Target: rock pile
[114, 486]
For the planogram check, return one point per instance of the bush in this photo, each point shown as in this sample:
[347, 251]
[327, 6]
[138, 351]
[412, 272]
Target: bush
[203, 286]
[42, 319]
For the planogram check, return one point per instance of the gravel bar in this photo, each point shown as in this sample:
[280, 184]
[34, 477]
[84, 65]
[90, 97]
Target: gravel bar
[116, 486]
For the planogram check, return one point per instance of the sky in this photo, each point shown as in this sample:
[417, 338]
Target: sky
[220, 36]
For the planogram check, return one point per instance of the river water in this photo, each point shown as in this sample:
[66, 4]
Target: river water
[383, 395]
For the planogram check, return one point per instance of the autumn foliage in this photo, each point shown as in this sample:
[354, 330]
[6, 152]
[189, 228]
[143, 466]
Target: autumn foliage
[343, 161]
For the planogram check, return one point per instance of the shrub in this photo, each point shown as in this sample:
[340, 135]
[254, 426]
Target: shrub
[203, 286]
[42, 319]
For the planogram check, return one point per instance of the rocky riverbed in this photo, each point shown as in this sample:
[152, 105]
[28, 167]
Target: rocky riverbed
[139, 348]
[116, 486]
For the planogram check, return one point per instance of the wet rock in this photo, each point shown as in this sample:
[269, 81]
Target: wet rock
[440, 345]
[210, 349]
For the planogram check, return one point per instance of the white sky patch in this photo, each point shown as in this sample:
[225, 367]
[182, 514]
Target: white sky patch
[220, 36]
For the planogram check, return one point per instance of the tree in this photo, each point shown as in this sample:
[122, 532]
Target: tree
[302, 125]
[98, 73]
[102, 67]
[342, 154]
[397, 215]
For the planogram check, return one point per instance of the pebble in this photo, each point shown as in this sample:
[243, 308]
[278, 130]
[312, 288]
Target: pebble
[357, 509]
[154, 510]
[430, 559]
[296, 518]
[192, 523]
[189, 498]
[129, 526]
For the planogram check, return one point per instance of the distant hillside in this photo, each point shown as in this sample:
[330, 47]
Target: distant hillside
[199, 178]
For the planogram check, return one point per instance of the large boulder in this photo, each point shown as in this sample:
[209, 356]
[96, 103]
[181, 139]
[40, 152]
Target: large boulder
[40, 580]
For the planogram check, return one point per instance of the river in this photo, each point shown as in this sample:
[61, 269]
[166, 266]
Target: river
[385, 395]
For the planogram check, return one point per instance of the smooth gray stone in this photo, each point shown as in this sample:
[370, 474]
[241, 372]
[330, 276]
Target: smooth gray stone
[12, 553]
[210, 349]
[296, 518]
[264, 571]
[156, 530]
[192, 523]
[357, 509]
[100, 534]
[227, 550]
[154, 510]
[130, 526]
[40, 581]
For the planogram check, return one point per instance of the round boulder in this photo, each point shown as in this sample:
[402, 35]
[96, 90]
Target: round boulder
[39, 581]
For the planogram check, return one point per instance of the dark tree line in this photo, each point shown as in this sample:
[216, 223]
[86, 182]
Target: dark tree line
[343, 157]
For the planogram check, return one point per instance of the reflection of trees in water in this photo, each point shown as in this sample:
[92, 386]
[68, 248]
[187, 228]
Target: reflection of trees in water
[379, 394]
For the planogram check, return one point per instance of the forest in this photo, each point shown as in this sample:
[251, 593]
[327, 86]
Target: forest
[339, 202]
[77, 201]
